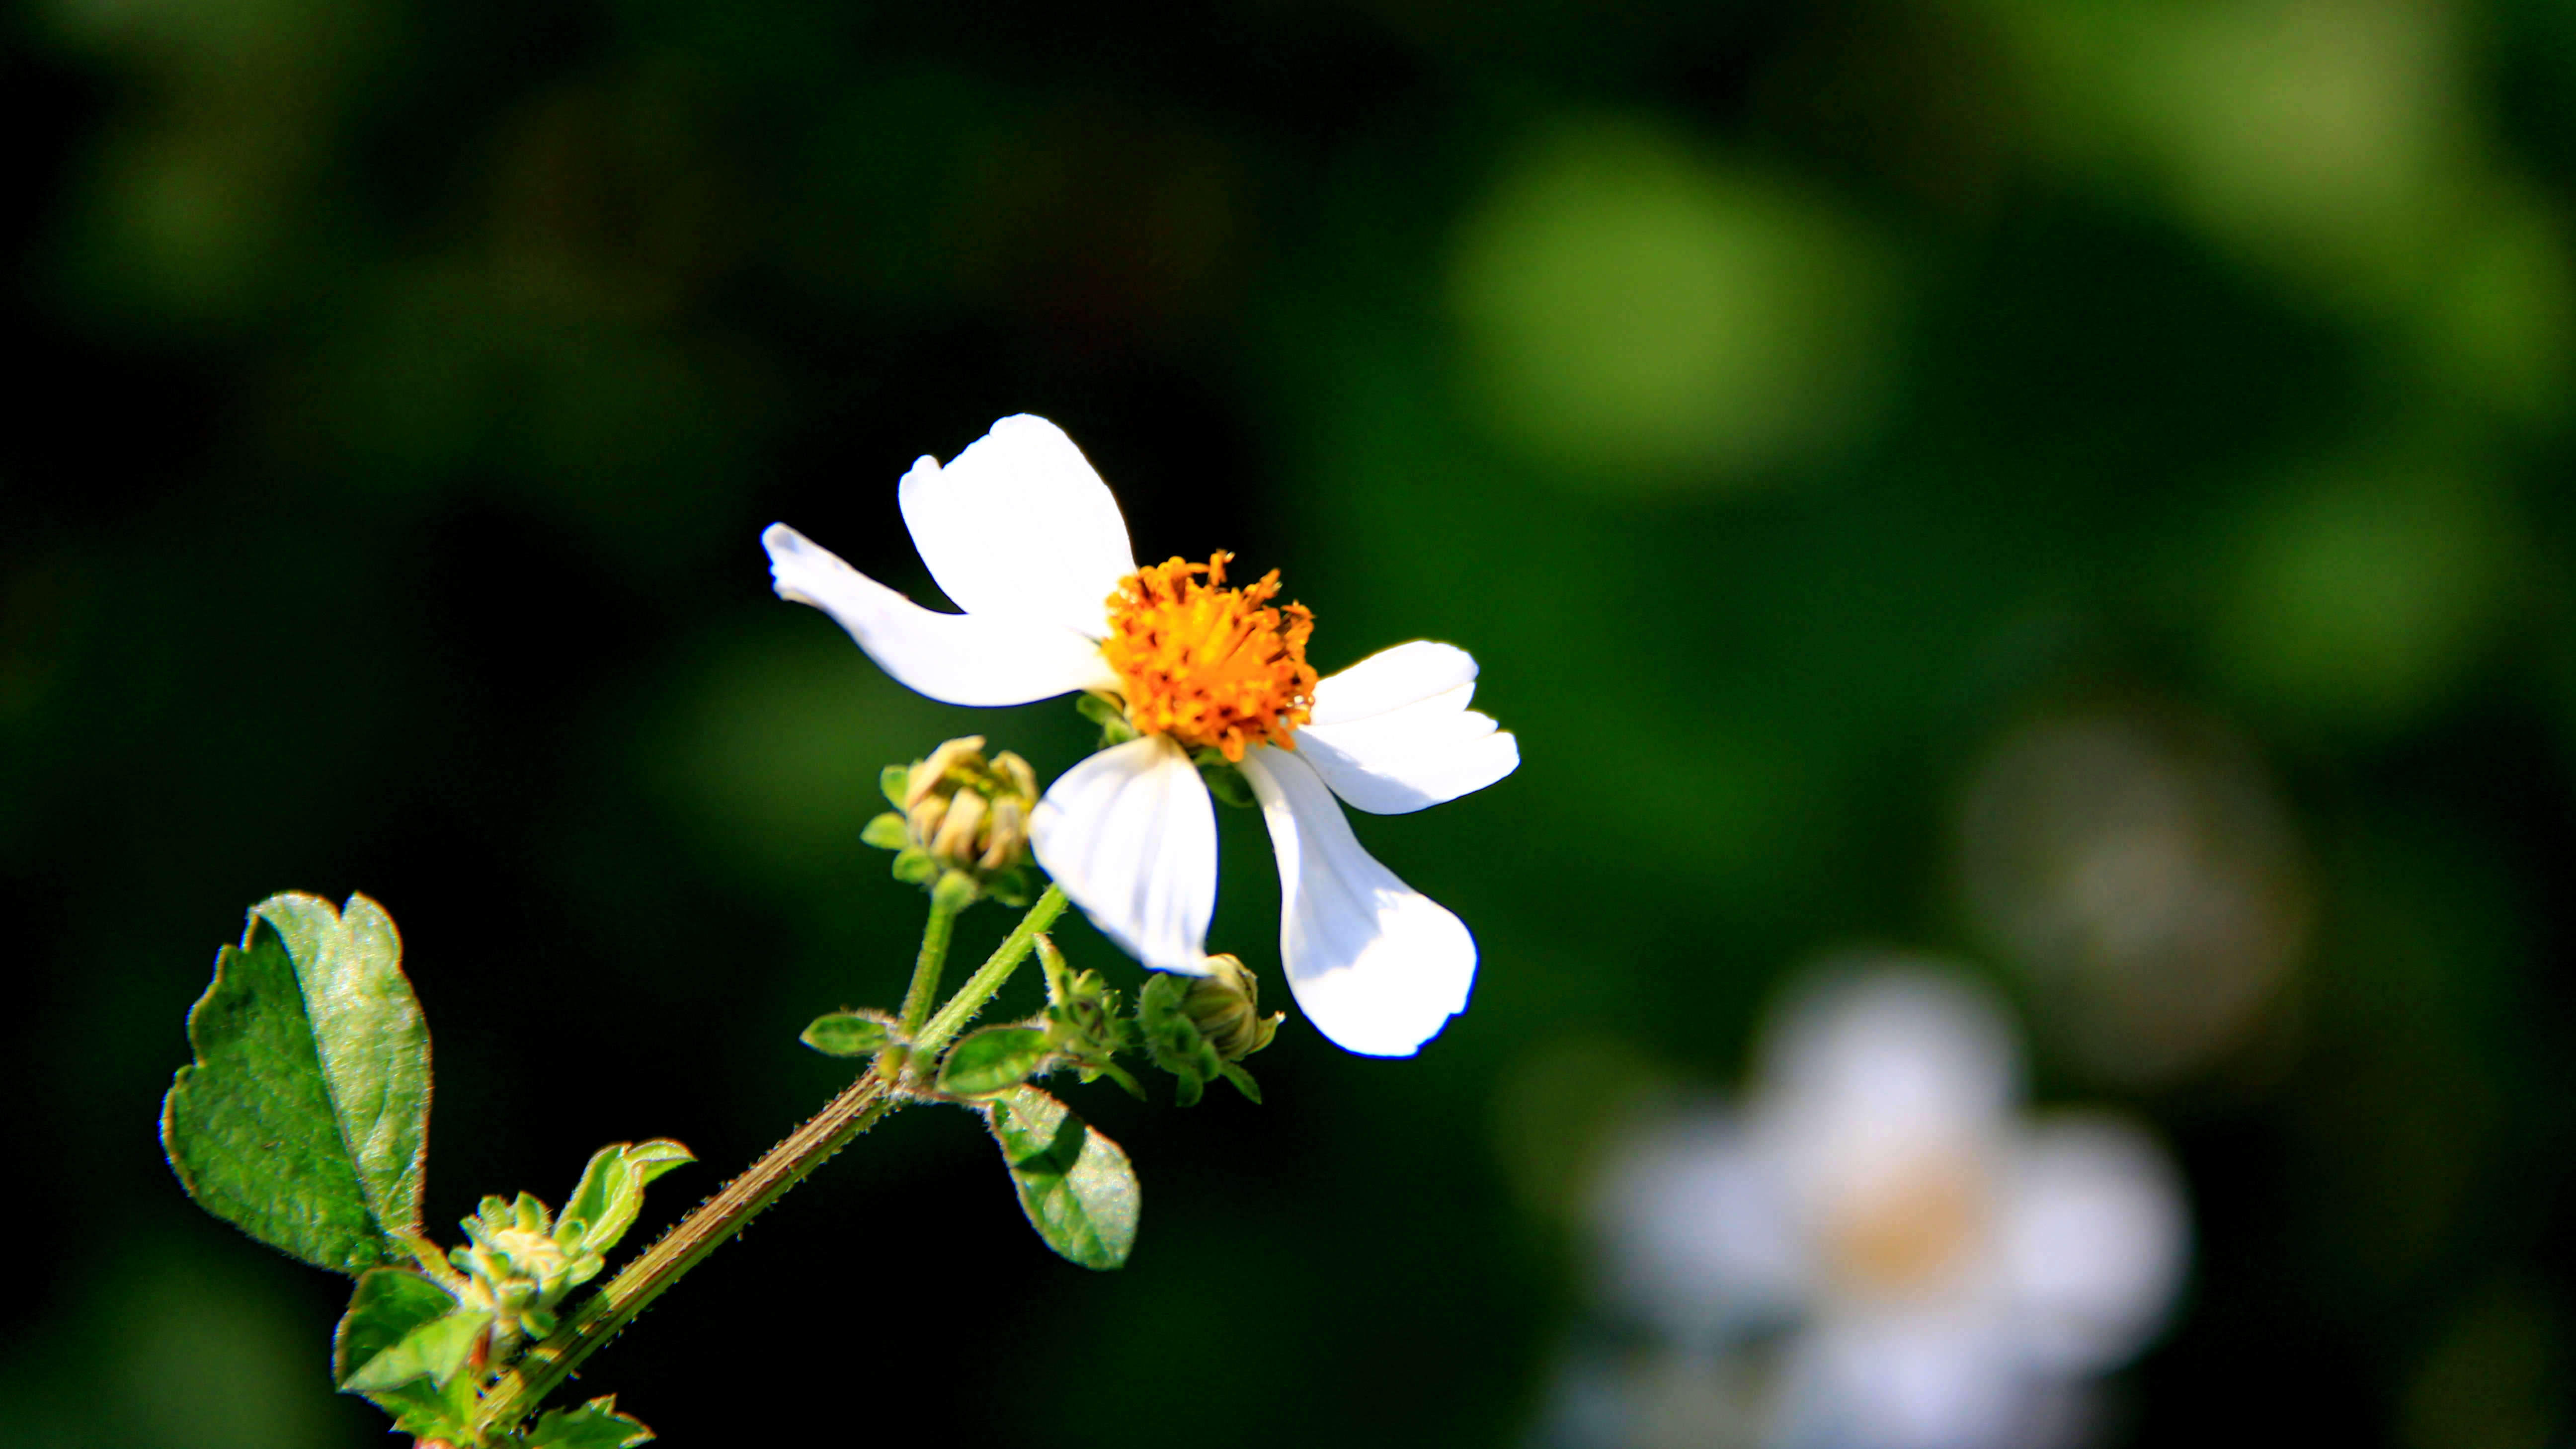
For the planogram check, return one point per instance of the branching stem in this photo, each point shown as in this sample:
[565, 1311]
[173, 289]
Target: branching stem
[516, 1394]
[988, 978]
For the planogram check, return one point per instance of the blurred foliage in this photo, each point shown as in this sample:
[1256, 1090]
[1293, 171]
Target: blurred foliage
[1786, 402]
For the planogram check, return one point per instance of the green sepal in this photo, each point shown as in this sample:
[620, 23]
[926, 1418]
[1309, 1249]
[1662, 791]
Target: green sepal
[1094, 1071]
[1234, 1072]
[915, 866]
[995, 1059]
[1224, 781]
[611, 1193]
[1114, 728]
[886, 832]
[955, 891]
[304, 1119]
[895, 781]
[846, 1034]
[1077, 1186]
[1177, 1045]
[1014, 888]
[595, 1425]
[436, 1351]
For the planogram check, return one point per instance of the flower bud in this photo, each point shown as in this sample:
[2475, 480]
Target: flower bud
[1199, 1028]
[962, 811]
[1225, 1005]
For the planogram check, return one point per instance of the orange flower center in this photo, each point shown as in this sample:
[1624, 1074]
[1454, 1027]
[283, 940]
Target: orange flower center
[1213, 667]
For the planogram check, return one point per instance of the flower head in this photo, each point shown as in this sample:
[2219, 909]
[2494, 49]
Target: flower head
[1024, 537]
[1949, 1274]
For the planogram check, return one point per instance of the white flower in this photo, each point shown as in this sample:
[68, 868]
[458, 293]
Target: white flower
[1947, 1275]
[1022, 535]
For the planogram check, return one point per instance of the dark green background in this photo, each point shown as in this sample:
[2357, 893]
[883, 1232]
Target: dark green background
[1783, 402]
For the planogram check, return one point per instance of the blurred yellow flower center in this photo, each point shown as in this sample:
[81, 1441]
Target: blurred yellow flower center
[1908, 1228]
[1213, 667]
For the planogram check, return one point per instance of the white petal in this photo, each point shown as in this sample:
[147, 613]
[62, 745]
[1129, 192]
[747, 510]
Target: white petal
[1893, 1046]
[1376, 965]
[955, 658]
[1924, 1379]
[1392, 679]
[1702, 1233]
[1020, 525]
[2094, 1238]
[1131, 836]
[1393, 733]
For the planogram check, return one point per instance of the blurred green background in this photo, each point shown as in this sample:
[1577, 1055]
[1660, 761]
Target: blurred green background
[2077, 486]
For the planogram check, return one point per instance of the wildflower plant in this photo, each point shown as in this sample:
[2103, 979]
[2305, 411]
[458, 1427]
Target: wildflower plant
[304, 1118]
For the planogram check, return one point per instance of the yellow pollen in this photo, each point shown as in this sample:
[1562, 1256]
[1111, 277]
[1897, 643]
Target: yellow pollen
[1213, 667]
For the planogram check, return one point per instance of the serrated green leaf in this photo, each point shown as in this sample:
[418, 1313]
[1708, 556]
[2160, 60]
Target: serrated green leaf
[595, 1425]
[611, 1193]
[845, 1034]
[305, 1116]
[995, 1059]
[436, 1351]
[374, 1043]
[1076, 1186]
[885, 832]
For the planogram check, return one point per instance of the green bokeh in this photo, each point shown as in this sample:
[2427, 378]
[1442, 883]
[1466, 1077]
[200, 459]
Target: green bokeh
[1789, 405]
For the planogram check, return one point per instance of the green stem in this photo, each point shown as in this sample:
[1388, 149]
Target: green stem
[547, 1363]
[945, 906]
[988, 978]
[516, 1394]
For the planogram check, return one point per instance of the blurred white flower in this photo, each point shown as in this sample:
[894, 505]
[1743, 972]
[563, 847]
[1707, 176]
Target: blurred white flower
[1925, 1268]
[1026, 539]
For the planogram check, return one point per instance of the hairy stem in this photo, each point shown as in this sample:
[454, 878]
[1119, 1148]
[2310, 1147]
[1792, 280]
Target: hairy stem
[547, 1363]
[944, 910]
[988, 978]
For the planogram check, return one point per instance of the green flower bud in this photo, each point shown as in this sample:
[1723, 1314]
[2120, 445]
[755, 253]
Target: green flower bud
[1225, 1005]
[1199, 1028]
[515, 1270]
[1082, 1022]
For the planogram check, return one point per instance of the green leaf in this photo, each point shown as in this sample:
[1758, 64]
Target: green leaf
[1076, 1186]
[595, 1425]
[886, 832]
[389, 1304]
[305, 1116]
[894, 782]
[915, 866]
[845, 1034]
[995, 1059]
[436, 1351]
[611, 1193]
